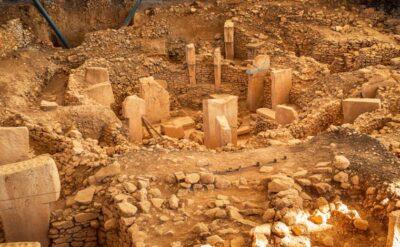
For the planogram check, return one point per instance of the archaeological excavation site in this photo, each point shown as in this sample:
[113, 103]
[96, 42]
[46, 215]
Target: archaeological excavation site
[200, 123]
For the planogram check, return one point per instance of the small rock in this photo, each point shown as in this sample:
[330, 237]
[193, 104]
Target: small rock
[341, 162]
[280, 229]
[192, 178]
[361, 224]
[126, 209]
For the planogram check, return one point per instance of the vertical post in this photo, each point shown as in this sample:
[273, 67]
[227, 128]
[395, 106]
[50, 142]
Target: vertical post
[217, 69]
[191, 63]
[134, 110]
[229, 39]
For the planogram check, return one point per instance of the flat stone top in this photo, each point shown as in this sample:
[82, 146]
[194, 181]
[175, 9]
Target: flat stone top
[30, 178]
[364, 100]
[190, 46]
[20, 244]
[228, 23]
[26, 165]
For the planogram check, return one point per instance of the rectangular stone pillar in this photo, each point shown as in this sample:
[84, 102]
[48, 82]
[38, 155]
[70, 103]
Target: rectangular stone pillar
[14, 144]
[95, 75]
[393, 237]
[101, 93]
[354, 107]
[229, 32]
[256, 79]
[217, 69]
[156, 98]
[220, 105]
[281, 84]
[26, 189]
[134, 108]
[223, 131]
[191, 63]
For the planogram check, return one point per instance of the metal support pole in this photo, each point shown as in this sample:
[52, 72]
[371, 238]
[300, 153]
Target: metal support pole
[132, 12]
[46, 16]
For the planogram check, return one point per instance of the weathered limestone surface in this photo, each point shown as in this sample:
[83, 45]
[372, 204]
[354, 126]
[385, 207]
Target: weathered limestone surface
[285, 114]
[191, 63]
[354, 107]
[14, 144]
[281, 84]
[393, 237]
[26, 189]
[95, 75]
[156, 99]
[224, 132]
[229, 32]
[133, 109]
[255, 87]
[172, 130]
[102, 93]
[267, 113]
[217, 69]
[221, 105]
[20, 244]
[231, 112]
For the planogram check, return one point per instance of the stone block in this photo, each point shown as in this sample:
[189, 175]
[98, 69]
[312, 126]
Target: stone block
[101, 93]
[354, 107]
[48, 105]
[229, 33]
[267, 113]
[157, 101]
[186, 122]
[285, 114]
[133, 108]
[281, 84]
[14, 144]
[174, 131]
[95, 75]
[26, 189]
[223, 131]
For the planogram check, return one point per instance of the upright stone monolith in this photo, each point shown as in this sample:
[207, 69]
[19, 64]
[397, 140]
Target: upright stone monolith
[256, 80]
[281, 84]
[229, 32]
[217, 69]
[26, 189]
[191, 63]
[134, 108]
[156, 99]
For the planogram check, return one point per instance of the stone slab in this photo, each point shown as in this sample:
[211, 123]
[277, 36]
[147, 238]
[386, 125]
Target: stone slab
[256, 80]
[217, 69]
[20, 244]
[134, 108]
[157, 100]
[191, 63]
[231, 112]
[354, 107]
[101, 93]
[14, 144]
[281, 84]
[95, 75]
[267, 113]
[174, 131]
[229, 33]
[285, 114]
[186, 122]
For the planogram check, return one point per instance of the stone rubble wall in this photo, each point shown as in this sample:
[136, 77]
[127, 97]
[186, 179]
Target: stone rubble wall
[13, 36]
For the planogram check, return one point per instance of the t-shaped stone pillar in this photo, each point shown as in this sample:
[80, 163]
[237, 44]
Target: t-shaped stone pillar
[26, 189]
[156, 99]
[229, 32]
[393, 238]
[220, 106]
[217, 69]
[14, 144]
[191, 63]
[133, 109]
[255, 86]
[281, 84]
